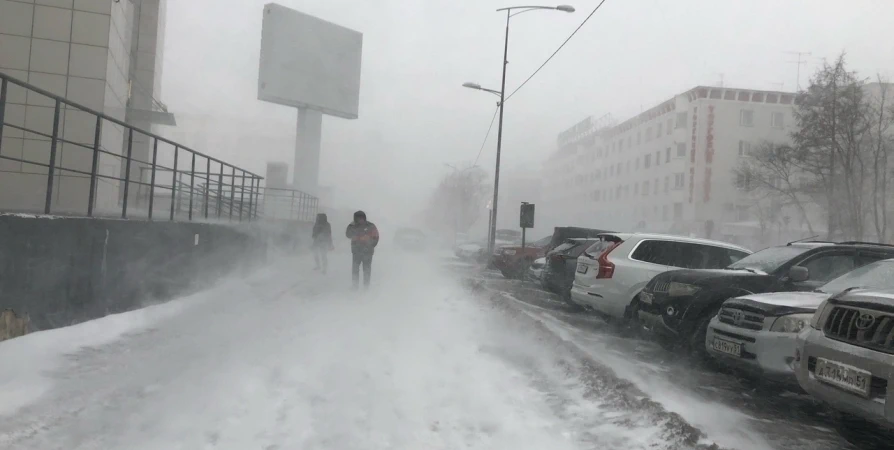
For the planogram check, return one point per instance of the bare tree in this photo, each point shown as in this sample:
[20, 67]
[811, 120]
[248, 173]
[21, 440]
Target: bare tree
[839, 157]
[457, 201]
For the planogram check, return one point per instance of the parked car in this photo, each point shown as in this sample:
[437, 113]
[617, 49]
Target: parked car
[845, 356]
[558, 273]
[469, 251]
[536, 269]
[513, 261]
[757, 333]
[678, 305]
[410, 238]
[611, 273]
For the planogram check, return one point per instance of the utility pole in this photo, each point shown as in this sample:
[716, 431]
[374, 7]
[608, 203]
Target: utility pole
[798, 63]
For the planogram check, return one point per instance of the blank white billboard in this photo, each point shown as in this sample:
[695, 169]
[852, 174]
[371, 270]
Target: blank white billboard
[307, 62]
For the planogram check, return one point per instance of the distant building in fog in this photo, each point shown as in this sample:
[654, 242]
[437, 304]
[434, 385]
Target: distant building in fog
[670, 168]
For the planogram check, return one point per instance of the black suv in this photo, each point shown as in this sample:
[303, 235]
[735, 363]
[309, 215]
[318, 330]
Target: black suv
[678, 304]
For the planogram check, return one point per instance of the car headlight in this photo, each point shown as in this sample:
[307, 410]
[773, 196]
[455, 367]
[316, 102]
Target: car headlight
[792, 323]
[681, 289]
[509, 252]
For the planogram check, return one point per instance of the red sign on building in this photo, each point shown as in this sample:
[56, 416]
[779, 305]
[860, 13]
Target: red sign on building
[709, 138]
[707, 184]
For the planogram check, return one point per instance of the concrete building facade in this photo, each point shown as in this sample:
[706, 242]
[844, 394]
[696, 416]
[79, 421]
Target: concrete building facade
[670, 168]
[103, 54]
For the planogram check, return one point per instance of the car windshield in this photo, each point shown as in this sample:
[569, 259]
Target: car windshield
[878, 275]
[769, 259]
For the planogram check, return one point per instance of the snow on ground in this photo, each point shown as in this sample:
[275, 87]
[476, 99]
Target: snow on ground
[290, 359]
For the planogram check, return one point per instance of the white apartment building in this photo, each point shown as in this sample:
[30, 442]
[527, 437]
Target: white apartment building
[669, 169]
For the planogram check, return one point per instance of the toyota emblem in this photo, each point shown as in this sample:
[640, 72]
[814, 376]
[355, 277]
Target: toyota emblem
[865, 321]
[738, 317]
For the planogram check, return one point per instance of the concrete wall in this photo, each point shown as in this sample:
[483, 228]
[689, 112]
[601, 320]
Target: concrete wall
[60, 271]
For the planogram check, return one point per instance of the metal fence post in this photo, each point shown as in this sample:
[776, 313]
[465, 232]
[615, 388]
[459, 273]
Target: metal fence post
[242, 196]
[51, 172]
[174, 180]
[3, 88]
[232, 191]
[207, 183]
[220, 191]
[91, 197]
[152, 178]
[127, 172]
[251, 197]
[192, 183]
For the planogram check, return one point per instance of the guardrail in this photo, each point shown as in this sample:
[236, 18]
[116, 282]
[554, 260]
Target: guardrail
[49, 164]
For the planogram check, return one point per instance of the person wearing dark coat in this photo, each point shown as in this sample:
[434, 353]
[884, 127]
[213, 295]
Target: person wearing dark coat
[322, 242]
[364, 237]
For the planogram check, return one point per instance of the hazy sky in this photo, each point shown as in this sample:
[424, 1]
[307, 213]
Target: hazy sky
[415, 116]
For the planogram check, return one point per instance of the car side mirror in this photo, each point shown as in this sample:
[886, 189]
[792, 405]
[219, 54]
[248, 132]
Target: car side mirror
[798, 274]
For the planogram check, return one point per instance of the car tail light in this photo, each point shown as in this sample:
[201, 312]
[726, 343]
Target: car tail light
[606, 267]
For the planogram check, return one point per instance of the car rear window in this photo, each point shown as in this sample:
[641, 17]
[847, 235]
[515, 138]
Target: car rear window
[582, 245]
[599, 247]
[564, 247]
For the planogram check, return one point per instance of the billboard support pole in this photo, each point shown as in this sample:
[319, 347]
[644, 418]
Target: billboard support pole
[306, 167]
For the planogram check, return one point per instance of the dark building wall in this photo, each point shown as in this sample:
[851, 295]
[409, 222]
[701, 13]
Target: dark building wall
[60, 271]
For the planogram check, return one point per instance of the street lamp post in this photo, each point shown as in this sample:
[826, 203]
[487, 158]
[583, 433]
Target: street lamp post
[492, 232]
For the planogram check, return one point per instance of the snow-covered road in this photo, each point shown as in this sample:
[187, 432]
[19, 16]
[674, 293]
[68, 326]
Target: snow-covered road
[290, 359]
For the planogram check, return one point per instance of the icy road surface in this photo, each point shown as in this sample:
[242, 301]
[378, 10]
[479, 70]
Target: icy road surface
[289, 359]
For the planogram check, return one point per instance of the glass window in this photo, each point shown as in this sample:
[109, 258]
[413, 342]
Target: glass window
[878, 275]
[599, 247]
[824, 267]
[678, 211]
[769, 259]
[658, 158]
[776, 120]
[670, 125]
[655, 252]
[681, 149]
[667, 155]
[681, 119]
[645, 188]
[679, 180]
[667, 183]
[658, 130]
[638, 136]
[746, 118]
[664, 212]
[744, 148]
[647, 161]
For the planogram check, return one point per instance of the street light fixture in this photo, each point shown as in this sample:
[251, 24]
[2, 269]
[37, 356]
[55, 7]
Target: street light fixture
[492, 231]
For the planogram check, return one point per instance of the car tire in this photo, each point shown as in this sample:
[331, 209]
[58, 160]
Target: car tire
[700, 333]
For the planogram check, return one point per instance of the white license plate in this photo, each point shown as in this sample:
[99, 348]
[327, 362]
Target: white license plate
[724, 346]
[581, 268]
[645, 298]
[843, 376]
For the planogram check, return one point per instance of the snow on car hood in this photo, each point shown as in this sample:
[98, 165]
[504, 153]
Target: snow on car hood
[777, 303]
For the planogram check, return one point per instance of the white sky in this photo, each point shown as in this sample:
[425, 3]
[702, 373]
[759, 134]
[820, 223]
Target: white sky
[414, 116]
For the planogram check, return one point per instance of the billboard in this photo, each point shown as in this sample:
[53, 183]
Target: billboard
[307, 62]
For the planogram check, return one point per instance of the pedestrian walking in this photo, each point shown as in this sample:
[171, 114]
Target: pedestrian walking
[322, 242]
[364, 237]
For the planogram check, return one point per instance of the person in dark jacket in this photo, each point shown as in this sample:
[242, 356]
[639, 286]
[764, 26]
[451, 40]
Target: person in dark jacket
[364, 237]
[322, 242]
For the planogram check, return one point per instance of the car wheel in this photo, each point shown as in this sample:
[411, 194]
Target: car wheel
[700, 333]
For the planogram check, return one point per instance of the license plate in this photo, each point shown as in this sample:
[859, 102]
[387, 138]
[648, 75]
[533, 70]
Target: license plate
[843, 376]
[730, 348]
[581, 268]
[645, 298]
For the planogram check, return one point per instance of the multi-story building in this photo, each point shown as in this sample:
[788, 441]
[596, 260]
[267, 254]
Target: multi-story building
[103, 54]
[670, 168]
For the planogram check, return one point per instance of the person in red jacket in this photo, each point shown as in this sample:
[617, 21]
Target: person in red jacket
[364, 237]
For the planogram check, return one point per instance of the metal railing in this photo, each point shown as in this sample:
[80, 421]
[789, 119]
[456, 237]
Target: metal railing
[46, 165]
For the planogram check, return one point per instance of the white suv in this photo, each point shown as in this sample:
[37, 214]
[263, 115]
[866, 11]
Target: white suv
[612, 271]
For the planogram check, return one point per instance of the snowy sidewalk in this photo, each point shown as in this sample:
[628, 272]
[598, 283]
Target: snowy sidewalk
[284, 360]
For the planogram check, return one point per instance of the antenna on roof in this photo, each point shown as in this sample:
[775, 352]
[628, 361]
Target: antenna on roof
[802, 240]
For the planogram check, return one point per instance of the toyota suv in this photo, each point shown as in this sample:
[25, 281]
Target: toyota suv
[757, 333]
[678, 305]
[846, 356]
